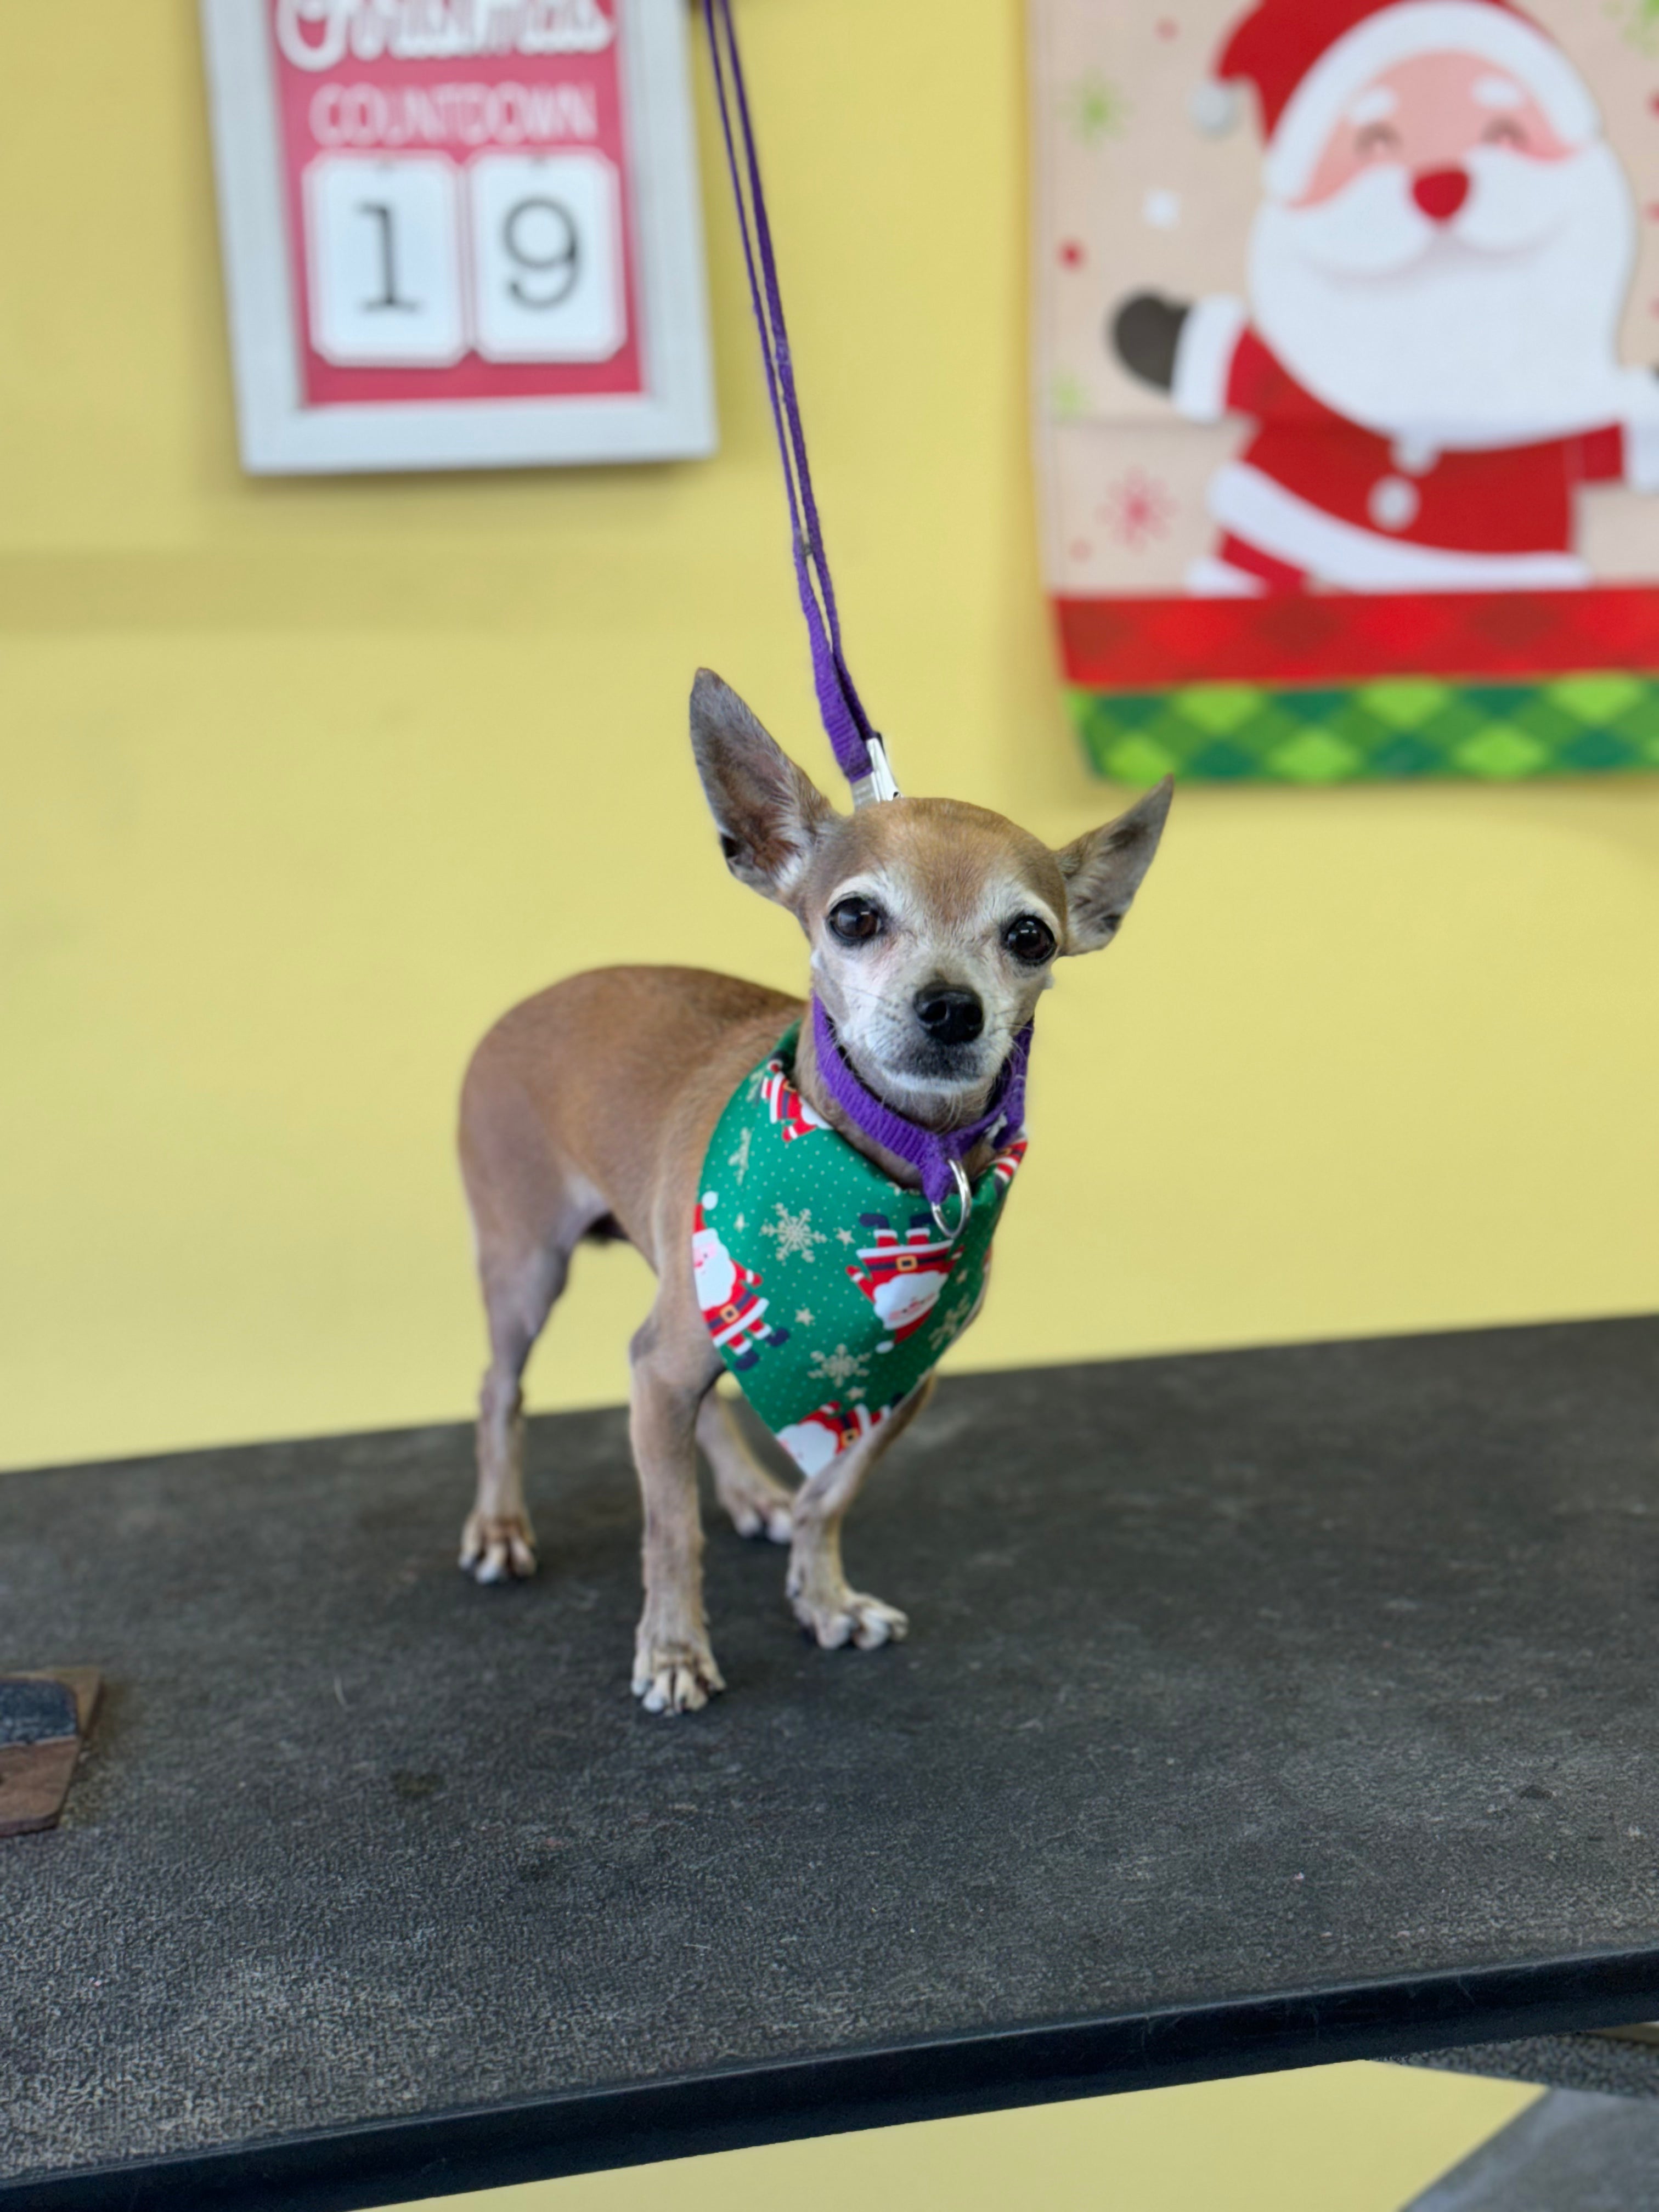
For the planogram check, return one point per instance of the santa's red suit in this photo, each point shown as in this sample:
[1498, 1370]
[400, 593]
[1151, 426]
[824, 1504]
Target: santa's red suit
[728, 1295]
[1312, 495]
[903, 1281]
[1008, 1159]
[786, 1106]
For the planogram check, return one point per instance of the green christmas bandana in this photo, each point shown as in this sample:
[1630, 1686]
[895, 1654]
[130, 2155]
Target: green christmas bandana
[830, 1290]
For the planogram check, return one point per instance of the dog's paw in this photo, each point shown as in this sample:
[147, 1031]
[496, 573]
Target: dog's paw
[760, 1512]
[498, 1548]
[675, 1678]
[851, 1617]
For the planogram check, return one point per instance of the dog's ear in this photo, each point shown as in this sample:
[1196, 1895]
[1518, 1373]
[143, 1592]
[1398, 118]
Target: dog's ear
[1103, 870]
[768, 814]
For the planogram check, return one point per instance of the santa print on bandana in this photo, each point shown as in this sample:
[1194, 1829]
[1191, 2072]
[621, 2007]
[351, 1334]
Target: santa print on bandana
[1424, 374]
[830, 1292]
[902, 1281]
[785, 1103]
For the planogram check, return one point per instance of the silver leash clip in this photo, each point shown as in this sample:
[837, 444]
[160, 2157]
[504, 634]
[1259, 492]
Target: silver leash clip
[965, 1205]
[878, 783]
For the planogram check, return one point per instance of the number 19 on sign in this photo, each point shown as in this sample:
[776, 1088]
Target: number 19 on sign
[415, 261]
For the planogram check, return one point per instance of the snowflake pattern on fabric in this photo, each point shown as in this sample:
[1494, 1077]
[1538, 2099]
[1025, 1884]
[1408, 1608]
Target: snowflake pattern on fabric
[1095, 109]
[1068, 397]
[887, 1299]
[794, 1233]
[1138, 508]
[950, 1324]
[840, 1365]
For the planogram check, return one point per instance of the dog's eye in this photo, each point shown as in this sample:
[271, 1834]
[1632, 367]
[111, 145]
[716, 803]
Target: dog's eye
[1029, 939]
[854, 920]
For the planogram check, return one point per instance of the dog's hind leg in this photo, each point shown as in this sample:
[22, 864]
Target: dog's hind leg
[530, 1211]
[758, 1505]
[519, 1287]
[824, 1603]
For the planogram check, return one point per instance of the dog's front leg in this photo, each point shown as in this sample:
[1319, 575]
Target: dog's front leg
[818, 1588]
[674, 1669]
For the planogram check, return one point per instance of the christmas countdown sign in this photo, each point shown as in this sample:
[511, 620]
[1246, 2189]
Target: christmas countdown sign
[459, 233]
[1348, 422]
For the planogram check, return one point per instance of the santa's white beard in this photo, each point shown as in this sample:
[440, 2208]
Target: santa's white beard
[1498, 328]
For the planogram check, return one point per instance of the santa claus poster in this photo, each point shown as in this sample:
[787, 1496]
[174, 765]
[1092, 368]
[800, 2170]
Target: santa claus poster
[1348, 417]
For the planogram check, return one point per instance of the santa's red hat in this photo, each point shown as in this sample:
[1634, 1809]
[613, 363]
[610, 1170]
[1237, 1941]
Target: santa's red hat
[1310, 59]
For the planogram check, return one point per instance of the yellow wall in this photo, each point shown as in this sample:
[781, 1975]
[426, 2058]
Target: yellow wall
[1333, 2139]
[304, 781]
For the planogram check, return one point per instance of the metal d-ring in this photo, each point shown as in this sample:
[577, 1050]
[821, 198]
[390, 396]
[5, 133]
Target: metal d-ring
[965, 1195]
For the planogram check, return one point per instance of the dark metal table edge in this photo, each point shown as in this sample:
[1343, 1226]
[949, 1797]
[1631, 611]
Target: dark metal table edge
[380, 2162]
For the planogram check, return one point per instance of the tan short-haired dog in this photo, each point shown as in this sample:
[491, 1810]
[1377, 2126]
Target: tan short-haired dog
[587, 1110]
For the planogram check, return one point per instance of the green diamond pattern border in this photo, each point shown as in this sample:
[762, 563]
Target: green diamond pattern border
[1393, 728]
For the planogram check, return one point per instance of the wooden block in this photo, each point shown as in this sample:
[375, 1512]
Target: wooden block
[40, 1739]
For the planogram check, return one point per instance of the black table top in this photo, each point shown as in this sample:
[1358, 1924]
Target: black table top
[1258, 1708]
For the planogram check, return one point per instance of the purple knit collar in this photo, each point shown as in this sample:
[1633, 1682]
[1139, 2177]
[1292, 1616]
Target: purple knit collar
[936, 1154]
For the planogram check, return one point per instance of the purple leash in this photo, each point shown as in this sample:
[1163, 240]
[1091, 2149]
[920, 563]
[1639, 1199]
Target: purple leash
[936, 1156]
[859, 750]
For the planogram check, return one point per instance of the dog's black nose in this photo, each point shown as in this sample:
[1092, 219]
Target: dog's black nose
[950, 1014]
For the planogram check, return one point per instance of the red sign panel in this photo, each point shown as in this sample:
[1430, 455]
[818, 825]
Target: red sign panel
[458, 189]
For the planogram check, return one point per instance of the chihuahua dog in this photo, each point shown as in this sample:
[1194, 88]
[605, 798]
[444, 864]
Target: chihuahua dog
[587, 1110]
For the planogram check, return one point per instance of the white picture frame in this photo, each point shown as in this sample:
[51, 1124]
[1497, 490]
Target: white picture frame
[282, 431]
